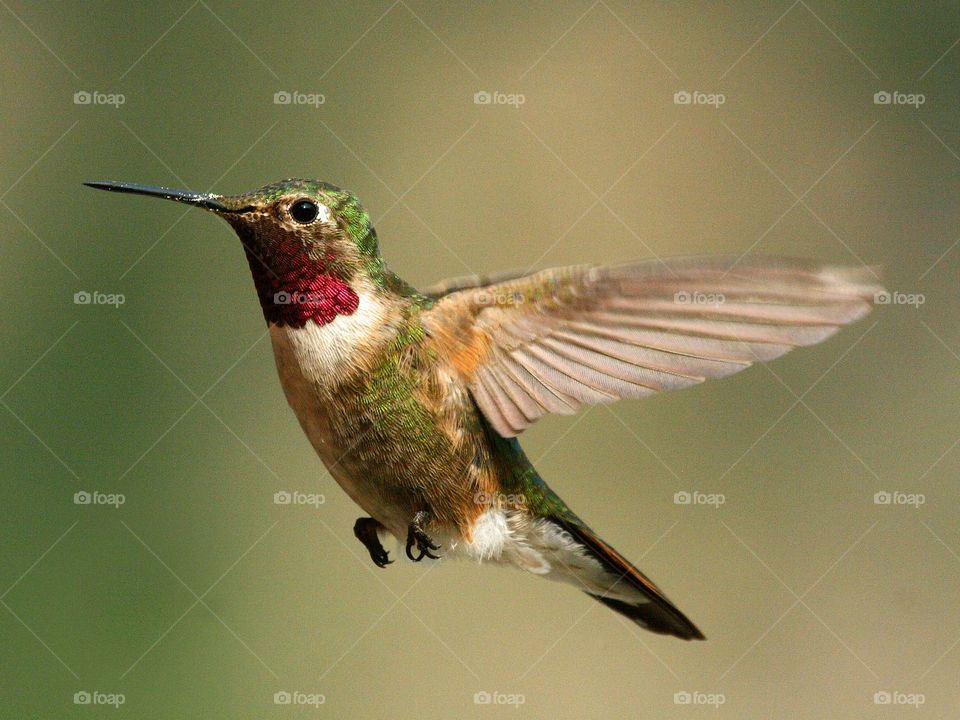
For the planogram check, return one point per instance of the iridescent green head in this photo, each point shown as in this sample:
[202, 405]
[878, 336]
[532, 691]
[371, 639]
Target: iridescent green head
[319, 212]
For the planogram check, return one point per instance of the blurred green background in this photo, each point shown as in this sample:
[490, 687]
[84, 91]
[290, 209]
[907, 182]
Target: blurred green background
[201, 597]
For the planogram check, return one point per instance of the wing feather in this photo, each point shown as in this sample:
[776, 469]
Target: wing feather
[582, 366]
[689, 346]
[533, 359]
[794, 335]
[553, 341]
[605, 365]
[543, 395]
[526, 407]
[487, 398]
[653, 368]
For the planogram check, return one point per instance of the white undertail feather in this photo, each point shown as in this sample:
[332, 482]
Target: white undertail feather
[540, 547]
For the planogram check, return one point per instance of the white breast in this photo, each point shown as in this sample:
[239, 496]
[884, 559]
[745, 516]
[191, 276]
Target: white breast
[325, 354]
[311, 362]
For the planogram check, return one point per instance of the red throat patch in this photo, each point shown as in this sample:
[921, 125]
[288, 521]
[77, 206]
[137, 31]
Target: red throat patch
[294, 288]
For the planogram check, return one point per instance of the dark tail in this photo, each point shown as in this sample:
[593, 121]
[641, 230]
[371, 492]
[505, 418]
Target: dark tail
[655, 612]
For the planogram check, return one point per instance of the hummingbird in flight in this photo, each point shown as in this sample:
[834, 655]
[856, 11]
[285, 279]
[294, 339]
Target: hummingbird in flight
[414, 399]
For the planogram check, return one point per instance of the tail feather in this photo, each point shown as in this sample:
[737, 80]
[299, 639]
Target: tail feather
[652, 611]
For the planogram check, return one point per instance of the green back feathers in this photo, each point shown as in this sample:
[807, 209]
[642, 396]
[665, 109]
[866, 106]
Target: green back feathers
[360, 229]
[522, 478]
[357, 221]
[389, 396]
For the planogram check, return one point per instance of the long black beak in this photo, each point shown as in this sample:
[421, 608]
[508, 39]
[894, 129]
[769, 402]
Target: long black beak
[204, 200]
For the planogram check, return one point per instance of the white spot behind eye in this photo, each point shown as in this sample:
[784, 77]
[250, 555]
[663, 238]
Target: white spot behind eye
[323, 214]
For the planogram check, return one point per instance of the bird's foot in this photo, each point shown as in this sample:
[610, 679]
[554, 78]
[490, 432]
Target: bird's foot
[416, 535]
[365, 529]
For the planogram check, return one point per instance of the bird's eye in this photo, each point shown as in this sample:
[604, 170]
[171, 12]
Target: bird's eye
[304, 211]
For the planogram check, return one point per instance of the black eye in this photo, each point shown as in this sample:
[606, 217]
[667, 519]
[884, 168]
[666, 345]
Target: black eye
[304, 211]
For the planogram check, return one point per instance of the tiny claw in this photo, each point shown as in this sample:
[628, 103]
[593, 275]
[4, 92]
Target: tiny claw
[416, 535]
[410, 554]
[365, 530]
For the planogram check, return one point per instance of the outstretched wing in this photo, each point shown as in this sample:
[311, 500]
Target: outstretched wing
[555, 340]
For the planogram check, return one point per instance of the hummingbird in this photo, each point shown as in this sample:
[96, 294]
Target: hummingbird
[414, 399]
